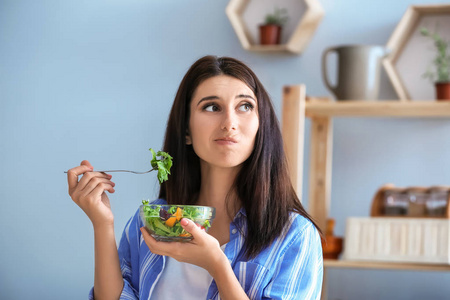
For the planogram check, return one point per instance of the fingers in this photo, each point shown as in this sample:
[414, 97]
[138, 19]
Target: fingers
[86, 163]
[191, 227]
[92, 184]
[174, 249]
[99, 186]
[72, 175]
[91, 179]
[152, 244]
[147, 237]
[203, 251]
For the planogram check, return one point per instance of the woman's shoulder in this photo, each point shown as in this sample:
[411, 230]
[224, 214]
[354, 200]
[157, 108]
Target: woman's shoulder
[300, 225]
[300, 222]
[299, 232]
[300, 235]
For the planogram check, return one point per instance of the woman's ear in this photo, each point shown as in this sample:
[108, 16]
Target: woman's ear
[188, 138]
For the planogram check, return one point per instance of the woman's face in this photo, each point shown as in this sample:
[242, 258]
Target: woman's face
[223, 121]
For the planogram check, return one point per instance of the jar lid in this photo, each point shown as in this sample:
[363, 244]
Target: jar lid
[394, 190]
[439, 188]
[417, 189]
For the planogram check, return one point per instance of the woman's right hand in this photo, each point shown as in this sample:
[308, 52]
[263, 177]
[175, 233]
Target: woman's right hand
[89, 193]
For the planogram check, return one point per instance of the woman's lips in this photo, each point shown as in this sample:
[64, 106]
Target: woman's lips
[226, 141]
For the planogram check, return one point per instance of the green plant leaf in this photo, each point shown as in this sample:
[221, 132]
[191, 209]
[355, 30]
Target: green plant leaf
[162, 162]
[441, 60]
[278, 17]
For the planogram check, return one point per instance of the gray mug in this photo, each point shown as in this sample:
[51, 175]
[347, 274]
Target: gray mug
[358, 71]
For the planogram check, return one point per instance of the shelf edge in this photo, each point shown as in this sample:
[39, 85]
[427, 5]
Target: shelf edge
[386, 108]
[331, 263]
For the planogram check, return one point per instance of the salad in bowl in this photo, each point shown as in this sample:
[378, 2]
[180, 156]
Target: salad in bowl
[163, 220]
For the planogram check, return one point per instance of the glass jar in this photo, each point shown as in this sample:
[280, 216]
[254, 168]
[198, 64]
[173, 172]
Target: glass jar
[396, 202]
[417, 201]
[436, 204]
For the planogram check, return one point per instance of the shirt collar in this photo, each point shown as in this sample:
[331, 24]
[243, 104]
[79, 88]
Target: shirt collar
[240, 213]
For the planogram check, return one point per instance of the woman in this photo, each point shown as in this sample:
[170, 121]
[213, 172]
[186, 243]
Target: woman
[228, 153]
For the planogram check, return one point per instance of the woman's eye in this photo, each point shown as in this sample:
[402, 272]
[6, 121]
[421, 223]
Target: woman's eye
[246, 107]
[210, 107]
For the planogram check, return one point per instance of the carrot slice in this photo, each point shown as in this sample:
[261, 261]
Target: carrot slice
[171, 221]
[179, 213]
[175, 217]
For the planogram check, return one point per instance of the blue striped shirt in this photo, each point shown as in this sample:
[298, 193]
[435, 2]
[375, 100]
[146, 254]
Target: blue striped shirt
[290, 268]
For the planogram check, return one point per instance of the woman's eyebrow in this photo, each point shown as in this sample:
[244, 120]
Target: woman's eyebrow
[207, 98]
[245, 96]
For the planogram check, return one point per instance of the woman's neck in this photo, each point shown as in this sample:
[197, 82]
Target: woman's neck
[216, 191]
[216, 185]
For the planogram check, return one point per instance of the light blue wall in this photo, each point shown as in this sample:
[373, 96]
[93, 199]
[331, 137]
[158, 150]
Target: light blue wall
[95, 80]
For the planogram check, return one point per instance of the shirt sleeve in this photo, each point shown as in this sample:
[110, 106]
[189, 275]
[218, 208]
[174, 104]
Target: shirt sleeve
[128, 291]
[299, 273]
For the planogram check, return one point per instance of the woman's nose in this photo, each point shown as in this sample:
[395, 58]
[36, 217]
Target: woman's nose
[229, 121]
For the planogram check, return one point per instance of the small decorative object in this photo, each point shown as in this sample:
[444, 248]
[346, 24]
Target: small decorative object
[417, 198]
[406, 45]
[331, 245]
[408, 225]
[438, 200]
[413, 201]
[441, 75]
[358, 71]
[396, 202]
[398, 239]
[270, 31]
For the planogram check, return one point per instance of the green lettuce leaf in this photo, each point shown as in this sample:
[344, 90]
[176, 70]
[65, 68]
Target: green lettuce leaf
[162, 162]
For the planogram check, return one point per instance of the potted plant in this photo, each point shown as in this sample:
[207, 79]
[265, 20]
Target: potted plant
[441, 75]
[270, 31]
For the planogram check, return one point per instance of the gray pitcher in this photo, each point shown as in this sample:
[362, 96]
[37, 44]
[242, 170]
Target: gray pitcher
[358, 71]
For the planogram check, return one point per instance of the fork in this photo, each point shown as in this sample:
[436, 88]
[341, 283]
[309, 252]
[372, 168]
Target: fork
[134, 172]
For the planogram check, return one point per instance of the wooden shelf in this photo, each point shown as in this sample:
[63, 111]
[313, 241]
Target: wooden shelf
[330, 263]
[321, 111]
[297, 42]
[400, 43]
[269, 48]
[382, 108]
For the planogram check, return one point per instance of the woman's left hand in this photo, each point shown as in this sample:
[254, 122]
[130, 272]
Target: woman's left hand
[203, 250]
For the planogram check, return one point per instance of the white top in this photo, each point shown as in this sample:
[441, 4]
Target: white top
[182, 281]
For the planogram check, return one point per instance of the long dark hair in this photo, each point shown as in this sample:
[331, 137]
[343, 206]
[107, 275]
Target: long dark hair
[263, 185]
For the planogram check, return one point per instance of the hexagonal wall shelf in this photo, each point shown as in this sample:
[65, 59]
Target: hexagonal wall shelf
[296, 43]
[411, 54]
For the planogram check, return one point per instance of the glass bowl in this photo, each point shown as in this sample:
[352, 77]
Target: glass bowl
[163, 220]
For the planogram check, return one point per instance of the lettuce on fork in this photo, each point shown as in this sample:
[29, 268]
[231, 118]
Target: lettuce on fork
[162, 162]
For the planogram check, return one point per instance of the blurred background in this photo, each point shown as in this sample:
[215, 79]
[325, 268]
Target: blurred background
[95, 80]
